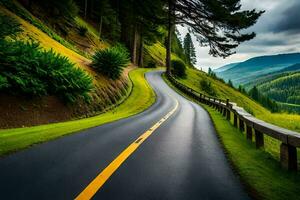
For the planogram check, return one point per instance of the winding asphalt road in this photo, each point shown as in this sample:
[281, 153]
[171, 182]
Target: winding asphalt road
[182, 159]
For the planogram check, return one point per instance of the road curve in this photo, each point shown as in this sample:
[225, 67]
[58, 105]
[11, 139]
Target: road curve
[182, 159]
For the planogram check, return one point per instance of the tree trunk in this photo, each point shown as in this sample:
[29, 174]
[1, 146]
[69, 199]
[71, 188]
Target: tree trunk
[100, 26]
[85, 8]
[134, 45]
[171, 27]
[141, 54]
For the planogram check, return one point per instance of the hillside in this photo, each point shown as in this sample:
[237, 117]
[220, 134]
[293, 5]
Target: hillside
[285, 89]
[222, 90]
[21, 111]
[225, 67]
[248, 70]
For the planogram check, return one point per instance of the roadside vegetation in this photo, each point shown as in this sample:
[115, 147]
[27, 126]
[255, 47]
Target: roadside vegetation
[15, 139]
[111, 61]
[27, 70]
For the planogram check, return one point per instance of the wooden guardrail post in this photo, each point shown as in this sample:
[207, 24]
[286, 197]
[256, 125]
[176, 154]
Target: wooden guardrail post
[288, 157]
[241, 125]
[259, 139]
[224, 112]
[249, 133]
[227, 110]
[235, 122]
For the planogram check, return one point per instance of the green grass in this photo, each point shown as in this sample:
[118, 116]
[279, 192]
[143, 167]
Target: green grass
[259, 171]
[15, 139]
[289, 121]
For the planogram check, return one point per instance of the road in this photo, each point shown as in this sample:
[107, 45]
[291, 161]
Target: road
[181, 159]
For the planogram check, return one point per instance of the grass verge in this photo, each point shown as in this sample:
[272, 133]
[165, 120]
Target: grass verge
[259, 171]
[12, 140]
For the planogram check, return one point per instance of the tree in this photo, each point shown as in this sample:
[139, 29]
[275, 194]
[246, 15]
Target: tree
[215, 23]
[230, 84]
[189, 49]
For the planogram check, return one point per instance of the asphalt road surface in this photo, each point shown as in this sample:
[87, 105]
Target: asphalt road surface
[181, 159]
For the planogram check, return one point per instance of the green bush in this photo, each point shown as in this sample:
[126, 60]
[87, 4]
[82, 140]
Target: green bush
[111, 61]
[82, 30]
[27, 70]
[178, 68]
[206, 87]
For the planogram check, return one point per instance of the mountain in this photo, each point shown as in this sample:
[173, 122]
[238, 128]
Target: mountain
[292, 68]
[248, 70]
[226, 67]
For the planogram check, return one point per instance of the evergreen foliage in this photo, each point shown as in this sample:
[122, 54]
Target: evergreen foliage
[189, 49]
[111, 61]
[178, 68]
[9, 26]
[206, 86]
[265, 101]
[283, 89]
[66, 9]
[230, 84]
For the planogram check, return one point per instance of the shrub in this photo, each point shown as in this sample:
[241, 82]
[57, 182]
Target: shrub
[8, 26]
[206, 87]
[82, 30]
[151, 64]
[178, 68]
[27, 70]
[111, 61]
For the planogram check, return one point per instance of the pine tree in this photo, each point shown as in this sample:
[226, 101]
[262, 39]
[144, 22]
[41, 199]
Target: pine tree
[189, 49]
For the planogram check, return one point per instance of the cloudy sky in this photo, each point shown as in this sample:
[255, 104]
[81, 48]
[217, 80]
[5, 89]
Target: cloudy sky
[278, 31]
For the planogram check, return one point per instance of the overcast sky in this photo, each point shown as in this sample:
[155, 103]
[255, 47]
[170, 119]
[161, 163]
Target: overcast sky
[278, 31]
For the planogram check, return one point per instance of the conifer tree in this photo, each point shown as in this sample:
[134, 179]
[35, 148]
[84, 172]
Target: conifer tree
[189, 49]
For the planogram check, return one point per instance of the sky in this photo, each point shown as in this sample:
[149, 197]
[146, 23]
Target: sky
[278, 31]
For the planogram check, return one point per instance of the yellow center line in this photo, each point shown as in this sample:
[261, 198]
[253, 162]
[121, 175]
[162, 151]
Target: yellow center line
[99, 181]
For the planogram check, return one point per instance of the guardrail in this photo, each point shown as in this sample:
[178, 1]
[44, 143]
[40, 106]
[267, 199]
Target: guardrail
[290, 140]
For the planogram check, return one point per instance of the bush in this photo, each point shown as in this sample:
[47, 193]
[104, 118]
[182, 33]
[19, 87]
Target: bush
[178, 68]
[111, 62]
[206, 87]
[8, 26]
[151, 64]
[82, 30]
[27, 70]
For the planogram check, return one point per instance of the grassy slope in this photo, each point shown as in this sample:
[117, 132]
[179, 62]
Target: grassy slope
[288, 121]
[261, 173]
[16, 139]
[158, 53]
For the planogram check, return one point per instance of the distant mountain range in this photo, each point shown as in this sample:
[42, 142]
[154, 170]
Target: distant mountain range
[249, 70]
[276, 76]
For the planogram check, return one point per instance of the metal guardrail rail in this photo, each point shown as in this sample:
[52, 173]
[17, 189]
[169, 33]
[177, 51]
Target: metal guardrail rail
[243, 120]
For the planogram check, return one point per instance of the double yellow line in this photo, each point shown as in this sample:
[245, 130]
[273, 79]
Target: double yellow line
[99, 181]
